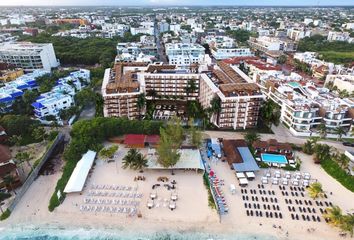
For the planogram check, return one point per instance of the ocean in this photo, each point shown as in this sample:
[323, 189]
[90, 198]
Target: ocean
[35, 233]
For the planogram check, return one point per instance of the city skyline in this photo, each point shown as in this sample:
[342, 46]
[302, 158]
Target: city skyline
[176, 3]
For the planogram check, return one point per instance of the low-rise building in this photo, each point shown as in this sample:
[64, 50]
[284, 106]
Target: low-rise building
[269, 45]
[183, 54]
[10, 74]
[341, 82]
[136, 52]
[338, 36]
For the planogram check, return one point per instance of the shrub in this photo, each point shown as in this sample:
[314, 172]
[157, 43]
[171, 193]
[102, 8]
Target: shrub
[333, 169]
[211, 202]
[5, 215]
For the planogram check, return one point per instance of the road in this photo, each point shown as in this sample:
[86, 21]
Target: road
[160, 48]
[281, 138]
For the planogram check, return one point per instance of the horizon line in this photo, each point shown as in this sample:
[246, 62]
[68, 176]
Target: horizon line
[167, 5]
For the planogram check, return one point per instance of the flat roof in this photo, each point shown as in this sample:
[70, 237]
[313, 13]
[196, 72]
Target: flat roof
[249, 163]
[190, 159]
[79, 175]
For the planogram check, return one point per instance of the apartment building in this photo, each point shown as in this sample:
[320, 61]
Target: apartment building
[136, 52]
[341, 82]
[16, 88]
[304, 105]
[240, 99]
[184, 54]
[29, 56]
[338, 36]
[268, 44]
[61, 96]
[121, 89]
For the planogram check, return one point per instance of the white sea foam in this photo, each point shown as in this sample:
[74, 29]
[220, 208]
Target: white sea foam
[41, 233]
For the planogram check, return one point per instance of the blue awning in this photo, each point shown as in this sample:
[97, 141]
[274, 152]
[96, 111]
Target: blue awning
[6, 99]
[249, 163]
[16, 94]
[37, 105]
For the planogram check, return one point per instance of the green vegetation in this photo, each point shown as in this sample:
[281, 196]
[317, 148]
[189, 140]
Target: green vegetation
[315, 190]
[195, 134]
[270, 113]
[89, 134]
[19, 129]
[5, 215]
[337, 51]
[211, 201]
[303, 67]
[333, 169]
[87, 51]
[134, 160]
[109, 151]
[240, 35]
[336, 218]
[171, 138]
[251, 137]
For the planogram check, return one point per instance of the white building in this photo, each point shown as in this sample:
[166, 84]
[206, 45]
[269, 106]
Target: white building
[338, 36]
[342, 82]
[185, 54]
[61, 96]
[135, 51]
[29, 56]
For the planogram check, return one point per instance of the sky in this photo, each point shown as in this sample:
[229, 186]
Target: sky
[175, 2]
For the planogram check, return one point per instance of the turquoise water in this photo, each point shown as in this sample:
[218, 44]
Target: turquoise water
[78, 234]
[274, 158]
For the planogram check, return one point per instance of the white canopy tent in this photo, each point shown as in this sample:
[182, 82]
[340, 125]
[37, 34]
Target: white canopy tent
[79, 175]
[240, 175]
[243, 181]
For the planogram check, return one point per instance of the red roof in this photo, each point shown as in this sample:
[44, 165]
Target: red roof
[237, 60]
[134, 139]
[154, 139]
[6, 169]
[5, 154]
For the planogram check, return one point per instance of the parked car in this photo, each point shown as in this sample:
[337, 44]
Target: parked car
[348, 144]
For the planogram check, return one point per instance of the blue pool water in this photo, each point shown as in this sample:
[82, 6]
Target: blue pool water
[274, 158]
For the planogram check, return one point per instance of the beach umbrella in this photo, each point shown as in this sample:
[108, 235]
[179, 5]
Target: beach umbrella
[211, 173]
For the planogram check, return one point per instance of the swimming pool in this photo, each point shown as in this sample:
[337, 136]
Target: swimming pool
[274, 158]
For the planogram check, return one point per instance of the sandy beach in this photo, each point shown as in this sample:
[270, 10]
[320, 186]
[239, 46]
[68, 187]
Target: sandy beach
[192, 213]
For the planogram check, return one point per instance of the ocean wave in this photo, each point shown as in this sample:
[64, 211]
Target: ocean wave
[40, 233]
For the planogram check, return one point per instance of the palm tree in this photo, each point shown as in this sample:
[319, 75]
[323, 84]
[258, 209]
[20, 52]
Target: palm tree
[140, 162]
[9, 179]
[339, 131]
[152, 93]
[129, 158]
[348, 224]
[141, 103]
[134, 160]
[322, 129]
[343, 160]
[270, 113]
[315, 190]
[251, 137]
[309, 145]
[334, 215]
[322, 152]
[191, 87]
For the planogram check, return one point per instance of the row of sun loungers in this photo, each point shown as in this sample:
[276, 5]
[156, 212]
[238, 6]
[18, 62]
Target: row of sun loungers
[293, 188]
[266, 214]
[305, 217]
[114, 194]
[112, 187]
[294, 194]
[300, 202]
[265, 206]
[106, 209]
[327, 204]
[110, 201]
[302, 209]
[218, 194]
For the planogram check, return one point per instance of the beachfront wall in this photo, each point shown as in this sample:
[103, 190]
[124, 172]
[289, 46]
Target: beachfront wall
[34, 173]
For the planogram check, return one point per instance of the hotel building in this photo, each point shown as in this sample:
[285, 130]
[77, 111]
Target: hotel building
[240, 98]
